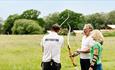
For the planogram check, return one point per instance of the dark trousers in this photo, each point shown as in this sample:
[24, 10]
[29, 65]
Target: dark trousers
[85, 64]
[51, 65]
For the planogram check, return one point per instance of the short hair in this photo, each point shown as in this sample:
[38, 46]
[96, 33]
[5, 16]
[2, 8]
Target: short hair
[97, 36]
[88, 26]
[55, 27]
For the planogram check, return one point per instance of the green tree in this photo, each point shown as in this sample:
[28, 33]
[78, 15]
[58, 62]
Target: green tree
[9, 22]
[111, 17]
[51, 19]
[25, 26]
[41, 22]
[33, 15]
[30, 14]
[98, 20]
[76, 20]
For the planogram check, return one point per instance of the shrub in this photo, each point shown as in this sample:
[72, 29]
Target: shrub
[25, 26]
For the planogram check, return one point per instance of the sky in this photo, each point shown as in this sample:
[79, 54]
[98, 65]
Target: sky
[9, 7]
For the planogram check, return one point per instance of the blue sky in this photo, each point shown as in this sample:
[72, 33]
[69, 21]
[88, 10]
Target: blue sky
[8, 7]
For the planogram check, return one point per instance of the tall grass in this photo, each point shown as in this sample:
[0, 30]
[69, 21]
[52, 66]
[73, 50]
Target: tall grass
[23, 52]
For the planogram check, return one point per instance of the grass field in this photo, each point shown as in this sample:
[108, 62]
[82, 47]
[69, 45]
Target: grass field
[23, 52]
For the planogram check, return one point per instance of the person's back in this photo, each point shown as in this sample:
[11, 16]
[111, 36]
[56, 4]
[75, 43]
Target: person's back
[51, 45]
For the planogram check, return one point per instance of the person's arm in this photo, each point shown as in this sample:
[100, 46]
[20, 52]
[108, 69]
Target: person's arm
[42, 42]
[62, 41]
[95, 57]
[76, 53]
[85, 50]
[90, 44]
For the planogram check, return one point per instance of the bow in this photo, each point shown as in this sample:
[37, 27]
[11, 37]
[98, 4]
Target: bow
[70, 53]
[65, 20]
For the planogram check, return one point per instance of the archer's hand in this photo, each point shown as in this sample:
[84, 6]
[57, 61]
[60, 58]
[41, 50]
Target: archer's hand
[78, 50]
[75, 54]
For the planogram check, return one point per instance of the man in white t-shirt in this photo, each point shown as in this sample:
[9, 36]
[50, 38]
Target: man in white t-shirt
[51, 46]
[87, 42]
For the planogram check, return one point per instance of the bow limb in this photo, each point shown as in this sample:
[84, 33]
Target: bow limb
[70, 53]
[65, 20]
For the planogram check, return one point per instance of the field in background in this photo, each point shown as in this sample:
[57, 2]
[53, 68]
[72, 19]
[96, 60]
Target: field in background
[23, 52]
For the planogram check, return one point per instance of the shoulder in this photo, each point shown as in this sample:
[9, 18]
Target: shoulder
[61, 37]
[97, 45]
[83, 37]
[45, 36]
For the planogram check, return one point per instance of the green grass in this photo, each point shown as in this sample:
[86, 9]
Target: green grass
[23, 52]
[109, 34]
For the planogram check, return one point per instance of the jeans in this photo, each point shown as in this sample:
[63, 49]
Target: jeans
[99, 66]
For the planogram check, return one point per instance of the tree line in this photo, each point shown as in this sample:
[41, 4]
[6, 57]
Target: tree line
[29, 21]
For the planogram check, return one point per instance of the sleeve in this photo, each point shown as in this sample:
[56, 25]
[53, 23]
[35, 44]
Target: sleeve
[42, 41]
[96, 45]
[61, 41]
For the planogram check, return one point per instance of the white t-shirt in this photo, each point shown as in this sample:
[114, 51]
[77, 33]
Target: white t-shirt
[52, 44]
[86, 42]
